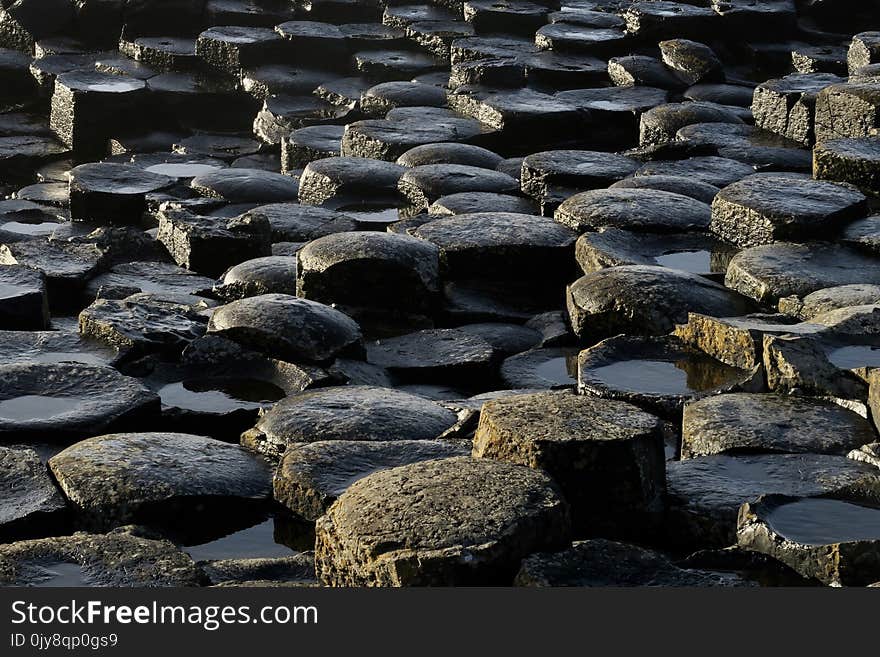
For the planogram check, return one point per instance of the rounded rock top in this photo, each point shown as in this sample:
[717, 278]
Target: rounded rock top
[96, 82]
[111, 178]
[287, 327]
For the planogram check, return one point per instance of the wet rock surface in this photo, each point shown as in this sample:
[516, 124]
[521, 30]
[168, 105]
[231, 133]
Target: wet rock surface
[114, 559]
[286, 327]
[644, 300]
[348, 413]
[348, 236]
[832, 540]
[600, 562]
[69, 400]
[705, 493]
[119, 478]
[771, 423]
[32, 503]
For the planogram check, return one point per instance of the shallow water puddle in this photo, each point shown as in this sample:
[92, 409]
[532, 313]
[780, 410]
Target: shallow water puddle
[561, 370]
[853, 356]
[822, 522]
[31, 407]
[255, 541]
[695, 262]
[59, 574]
[8, 291]
[182, 169]
[367, 214]
[22, 228]
[664, 377]
[220, 395]
[71, 357]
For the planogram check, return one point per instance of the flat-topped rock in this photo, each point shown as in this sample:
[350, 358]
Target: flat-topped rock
[771, 423]
[128, 278]
[787, 106]
[710, 169]
[644, 300]
[600, 562]
[649, 210]
[541, 368]
[332, 177]
[232, 47]
[764, 209]
[348, 413]
[117, 478]
[705, 493]
[292, 222]
[310, 477]
[461, 520]
[88, 106]
[660, 124]
[247, 186]
[830, 540]
[24, 303]
[737, 341]
[767, 273]
[607, 456]
[694, 252]
[67, 266]
[422, 185]
[848, 110]
[471, 202]
[853, 161]
[575, 169]
[500, 244]
[117, 559]
[391, 137]
[399, 272]
[701, 191]
[67, 401]
[657, 373]
[435, 355]
[267, 275]
[145, 322]
[450, 153]
[828, 299]
[286, 327]
[32, 503]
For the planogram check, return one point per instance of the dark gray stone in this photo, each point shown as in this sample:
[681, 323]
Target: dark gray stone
[348, 413]
[117, 478]
[32, 505]
[771, 423]
[68, 401]
[23, 300]
[287, 328]
[643, 300]
[763, 209]
[648, 210]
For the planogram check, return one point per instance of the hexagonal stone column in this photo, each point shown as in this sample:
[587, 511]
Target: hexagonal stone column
[370, 269]
[455, 521]
[111, 193]
[87, 107]
[23, 300]
[764, 209]
[854, 161]
[606, 455]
